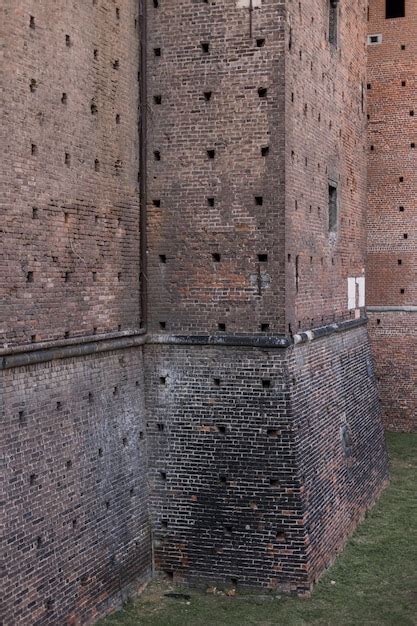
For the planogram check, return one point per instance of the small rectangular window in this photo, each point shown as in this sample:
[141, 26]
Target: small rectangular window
[374, 39]
[333, 22]
[394, 8]
[333, 210]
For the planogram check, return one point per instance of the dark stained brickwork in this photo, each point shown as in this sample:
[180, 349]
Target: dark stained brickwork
[228, 101]
[392, 208]
[76, 528]
[243, 486]
[223, 467]
[251, 483]
[248, 465]
[77, 532]
[340, 441]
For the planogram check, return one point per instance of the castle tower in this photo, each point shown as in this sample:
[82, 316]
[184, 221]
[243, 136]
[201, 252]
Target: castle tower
[392, 206]
[185, 355]
[264, 426]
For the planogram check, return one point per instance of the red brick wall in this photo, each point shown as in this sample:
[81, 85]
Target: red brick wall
[76, 528]
[325, 139]
[393, 338]
[191, 291]
[70, 253]
[392, 207]
[236, 467]
[77, 536]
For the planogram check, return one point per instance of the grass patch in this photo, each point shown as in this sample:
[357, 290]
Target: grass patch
[374, 581]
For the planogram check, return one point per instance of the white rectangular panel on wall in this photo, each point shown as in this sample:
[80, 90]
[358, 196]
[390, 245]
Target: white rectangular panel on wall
[351, 293]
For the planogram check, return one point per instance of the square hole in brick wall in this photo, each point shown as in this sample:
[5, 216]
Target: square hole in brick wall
[394, 9]
[221, 326]
[262, 258]
[216, 257]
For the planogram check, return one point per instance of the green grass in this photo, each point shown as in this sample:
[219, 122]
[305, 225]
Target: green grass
[374, 581]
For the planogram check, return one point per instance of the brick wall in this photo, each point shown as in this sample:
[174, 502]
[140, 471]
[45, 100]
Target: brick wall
[227, 462]
[233, 459]
[393, 336]
[325, 141]
[340, 439]
[77, 533]
[251, 485]
[70, 254]
[229, 100]
[392, 206]
[223, 467]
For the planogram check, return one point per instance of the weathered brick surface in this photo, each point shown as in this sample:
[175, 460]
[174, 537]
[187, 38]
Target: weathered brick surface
[77, 537]
[219, 435]
[393, 337]
[69, 258]
[224, 467]
[392, 207]
[250, 483]
[325, 140]
[191, 291]
[248, 477]
[334, 390]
